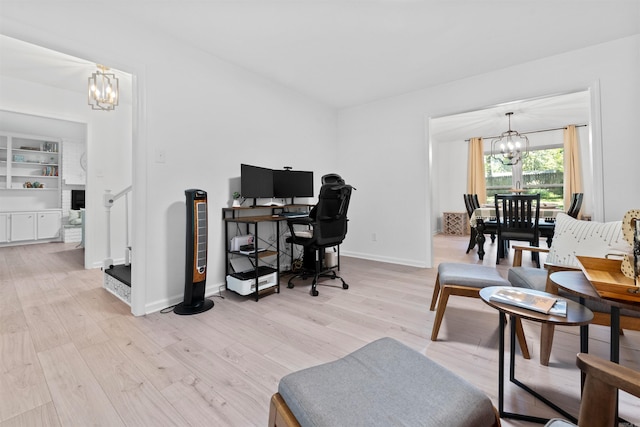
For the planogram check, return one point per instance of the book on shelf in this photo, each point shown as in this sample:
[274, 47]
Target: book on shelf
[524, 299]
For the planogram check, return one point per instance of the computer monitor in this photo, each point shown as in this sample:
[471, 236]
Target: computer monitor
[256, 182]
[288, 183]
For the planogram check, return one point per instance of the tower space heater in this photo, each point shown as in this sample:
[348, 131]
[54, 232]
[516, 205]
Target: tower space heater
[196, 254]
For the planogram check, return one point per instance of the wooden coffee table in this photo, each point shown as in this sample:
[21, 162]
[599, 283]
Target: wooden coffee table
[575, 283]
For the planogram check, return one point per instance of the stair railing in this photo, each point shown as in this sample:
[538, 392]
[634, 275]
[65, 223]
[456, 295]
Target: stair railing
[109, 200]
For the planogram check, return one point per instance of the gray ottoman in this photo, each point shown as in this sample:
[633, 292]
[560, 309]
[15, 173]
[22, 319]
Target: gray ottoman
[463, 280]
[385, 383]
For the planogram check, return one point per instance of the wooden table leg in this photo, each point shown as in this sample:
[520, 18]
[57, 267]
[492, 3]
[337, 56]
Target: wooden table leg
[480, 239]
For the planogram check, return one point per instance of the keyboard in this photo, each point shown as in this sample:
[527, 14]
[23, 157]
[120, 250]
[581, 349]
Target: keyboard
[294, 214]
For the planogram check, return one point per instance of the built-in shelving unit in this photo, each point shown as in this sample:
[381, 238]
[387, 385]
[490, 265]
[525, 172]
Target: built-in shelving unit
[29, 163]
[30, 188]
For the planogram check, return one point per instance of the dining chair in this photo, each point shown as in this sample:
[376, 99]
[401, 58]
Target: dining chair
[576, 204]
[547, 226]
[468, 204]
[471, 203]
[517, 218]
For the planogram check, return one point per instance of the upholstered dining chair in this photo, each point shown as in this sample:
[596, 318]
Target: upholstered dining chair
[572, 236]
[599, 402]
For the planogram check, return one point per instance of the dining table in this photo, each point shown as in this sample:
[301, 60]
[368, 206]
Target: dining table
[486, 212]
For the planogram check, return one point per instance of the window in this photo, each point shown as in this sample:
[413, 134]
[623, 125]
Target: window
[542, 171]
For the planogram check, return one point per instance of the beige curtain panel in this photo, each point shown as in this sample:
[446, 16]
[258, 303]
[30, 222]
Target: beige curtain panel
[475, 177]
[572, 168]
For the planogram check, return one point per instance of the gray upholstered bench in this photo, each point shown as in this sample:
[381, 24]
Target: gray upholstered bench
[384, 383]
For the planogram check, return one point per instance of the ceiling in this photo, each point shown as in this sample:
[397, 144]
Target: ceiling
[350, 52]
[529, 115]
[347, 52]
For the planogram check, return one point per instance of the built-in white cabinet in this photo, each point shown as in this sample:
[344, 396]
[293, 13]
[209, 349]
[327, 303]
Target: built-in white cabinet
[4, 227]
[48, 224]
[29, 227]
[23, 226]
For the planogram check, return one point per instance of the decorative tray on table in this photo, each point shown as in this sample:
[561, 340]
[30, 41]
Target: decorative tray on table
[606, 277]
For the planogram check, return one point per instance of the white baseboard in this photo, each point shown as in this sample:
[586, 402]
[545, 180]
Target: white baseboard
[392, 260]
[210, 291]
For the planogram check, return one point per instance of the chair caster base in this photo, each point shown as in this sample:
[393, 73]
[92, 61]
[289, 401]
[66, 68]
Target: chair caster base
[290, 285]
[345, 286]
[314, 293]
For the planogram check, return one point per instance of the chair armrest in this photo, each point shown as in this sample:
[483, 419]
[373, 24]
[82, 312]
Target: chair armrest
[551, 287]
[517, 254]
[603, 379]
[531, 248]
[302, 221]
[298, 221]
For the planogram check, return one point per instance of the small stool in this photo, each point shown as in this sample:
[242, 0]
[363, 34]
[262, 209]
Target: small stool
[383, 383]
[466, 280]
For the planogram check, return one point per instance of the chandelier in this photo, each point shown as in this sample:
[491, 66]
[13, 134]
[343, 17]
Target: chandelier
[103, 89]
[510, 147]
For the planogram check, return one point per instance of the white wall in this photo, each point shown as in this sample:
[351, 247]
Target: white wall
[388, 140]
[241, 119]
[108, 138]
[206, 115]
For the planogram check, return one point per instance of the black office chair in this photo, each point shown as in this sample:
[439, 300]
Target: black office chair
[332, 178]
[327, 227]
[517, 217]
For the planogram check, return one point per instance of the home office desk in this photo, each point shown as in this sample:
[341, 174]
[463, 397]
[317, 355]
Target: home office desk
[547, 216]
[577, 315]
[252, 221]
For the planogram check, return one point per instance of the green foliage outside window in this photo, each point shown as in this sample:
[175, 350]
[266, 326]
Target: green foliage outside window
[542, 172]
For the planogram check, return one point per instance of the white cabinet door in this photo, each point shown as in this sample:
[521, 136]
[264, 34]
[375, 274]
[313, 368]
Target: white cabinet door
[4, 227]
[49, 224]
[23, 226]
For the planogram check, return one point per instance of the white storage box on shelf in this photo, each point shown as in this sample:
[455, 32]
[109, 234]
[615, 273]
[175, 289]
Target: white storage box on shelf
[248, 286]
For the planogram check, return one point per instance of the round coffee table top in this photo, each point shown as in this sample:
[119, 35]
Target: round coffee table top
[577, 314]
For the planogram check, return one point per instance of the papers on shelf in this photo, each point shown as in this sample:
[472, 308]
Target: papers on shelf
[525, 299]
[249, 251]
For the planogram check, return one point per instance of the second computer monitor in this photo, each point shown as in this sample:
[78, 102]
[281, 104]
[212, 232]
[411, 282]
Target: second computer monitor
[288, 183]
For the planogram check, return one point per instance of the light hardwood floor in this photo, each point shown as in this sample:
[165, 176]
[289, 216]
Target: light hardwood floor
[71, 354]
